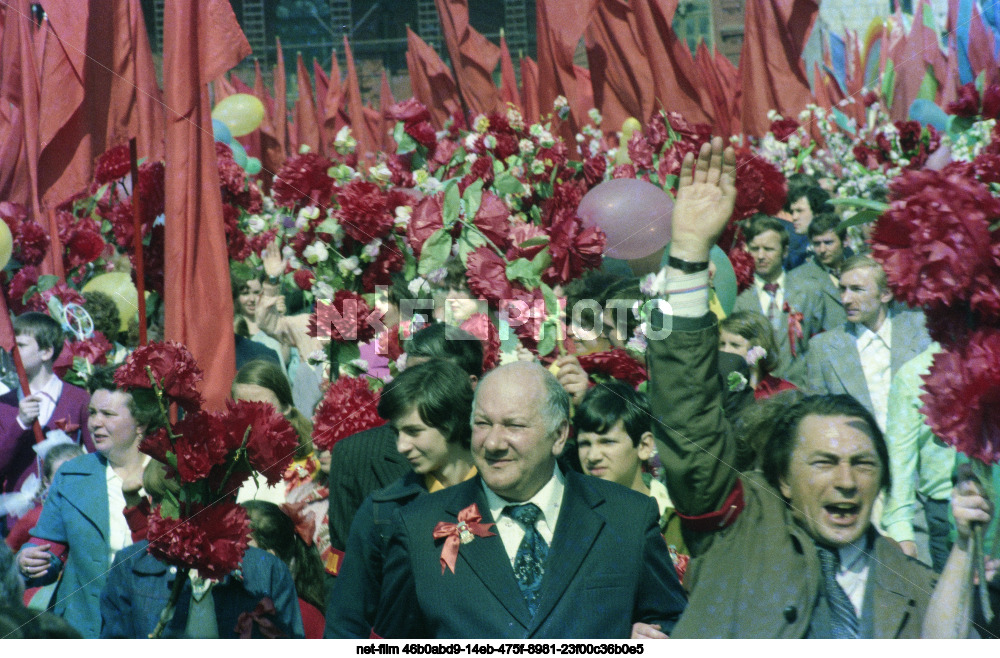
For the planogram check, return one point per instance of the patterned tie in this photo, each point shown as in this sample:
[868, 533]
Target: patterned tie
[772, 308]
[843, 618]
[529, 563]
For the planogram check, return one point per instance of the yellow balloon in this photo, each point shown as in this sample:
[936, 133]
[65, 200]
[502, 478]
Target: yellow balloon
[241, 113]
[629, 126]
[119, 287]
[6, 244]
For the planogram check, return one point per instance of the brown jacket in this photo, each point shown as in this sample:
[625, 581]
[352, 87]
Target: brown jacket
[758, 577]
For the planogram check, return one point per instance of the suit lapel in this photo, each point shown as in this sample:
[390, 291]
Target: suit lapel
[88, 491]
[576, 530]
[892, 600]
[847, 366]
[387, 469]
[486, 556]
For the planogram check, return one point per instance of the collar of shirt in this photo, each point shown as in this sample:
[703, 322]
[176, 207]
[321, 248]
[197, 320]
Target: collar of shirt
[866, 335]
[50, 395]
[759, 282]
[433, 484]
[852, 576]
[549, 501]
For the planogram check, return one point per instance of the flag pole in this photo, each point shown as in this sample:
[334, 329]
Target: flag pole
[140, 283]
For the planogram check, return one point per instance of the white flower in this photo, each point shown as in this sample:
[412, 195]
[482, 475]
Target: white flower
[514, 118]
[431, 186]
[256, 223]
[417, 285]
[560, 102]
[490, 141]
[322, 290]
[755, 354]
[350, 265]
[401, 362]
[304, 148]
[471, 158]
[305, 216]
[470, 141]
[344, 142]
[316, 252]
[526, 146]
[772, 115]
[637, 343]
[360, 364]
[481, 124]
[380, 172]
[537, 167]
[371, 249]
[595, 116]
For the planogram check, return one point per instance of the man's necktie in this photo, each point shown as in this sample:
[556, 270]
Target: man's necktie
[772, 308]
[843, 618]
[529, 563]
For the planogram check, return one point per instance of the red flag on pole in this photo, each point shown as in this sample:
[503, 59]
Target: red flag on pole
[772, 73]
[432, 82]
[560, 27]
[355, 109]
[508, 79]
[619, 68]
[529, 90]
[201, 41]
[473, 57]
[306, 126]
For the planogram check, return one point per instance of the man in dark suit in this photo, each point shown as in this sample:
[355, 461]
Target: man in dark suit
[860, 357]
[823, 269]
[535, 552]
[793, 304]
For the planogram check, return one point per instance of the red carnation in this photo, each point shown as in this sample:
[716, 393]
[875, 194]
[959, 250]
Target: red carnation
[623, 171]
[32, 243]
[934, 242]
[13, 214]
[640, 152]
[379, 272]
[480, 326]
[344, 319]
[348, 407]
[60, 291]
[743, 265]
[24, 278]
[760, 187]
[427, 217]
[271, 442]
[493, 219]
[113, 164]
[388, 343]
[657, 132]
[157, 444]
[487, 274]
[962, 396]
[410, 110]
[617, 364]
[573, 251]
[784, 128]
[173, 368]
[966, 104]
[594, 169]
[201, 446]
[481, 169]
[522, 233]
[526, 313]
[303, 181]
[211, 539]
[991, 102]
[85, 246]
[364, 212]
[152, 189]
[422, 133]
[304, 279]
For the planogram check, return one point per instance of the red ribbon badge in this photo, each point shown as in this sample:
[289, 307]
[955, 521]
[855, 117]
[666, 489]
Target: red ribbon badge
[66, 425]
[261, 616]
[794, 327]
[305, 524]
[462, 532]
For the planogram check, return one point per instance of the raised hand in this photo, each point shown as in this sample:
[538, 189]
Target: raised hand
[706, 195]
[271, 258]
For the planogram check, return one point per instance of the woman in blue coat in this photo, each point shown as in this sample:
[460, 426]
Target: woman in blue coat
[82, 524]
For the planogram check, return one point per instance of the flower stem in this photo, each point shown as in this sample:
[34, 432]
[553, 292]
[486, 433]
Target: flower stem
[168, 611]
[471, 226]
[240, 452]
[165, 413]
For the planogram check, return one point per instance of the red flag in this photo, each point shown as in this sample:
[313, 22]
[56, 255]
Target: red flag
[201, 40]
[771, 70]
[916, 56]
[473, 57]
[334, 117]
[675, 77]
[271, 154]
[385, 102]
[221, 89]
[508, 79]
[560, 26]
[281, 104]
[322, 89]
[431, 80]
[306, 125]
[355, 109]
[716, 91]
[529, 90]
[619, 69]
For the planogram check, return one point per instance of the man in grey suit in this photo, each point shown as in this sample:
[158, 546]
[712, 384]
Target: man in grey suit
[823, 269]
[793, 303]
[860, 357]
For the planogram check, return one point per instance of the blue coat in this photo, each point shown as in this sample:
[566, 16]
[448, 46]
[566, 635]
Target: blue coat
[607, 568]
[353, 604]
[75, 514]
[139, 586]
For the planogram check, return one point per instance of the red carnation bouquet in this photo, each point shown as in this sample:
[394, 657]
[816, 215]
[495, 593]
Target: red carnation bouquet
[199, 525]
[348, 407]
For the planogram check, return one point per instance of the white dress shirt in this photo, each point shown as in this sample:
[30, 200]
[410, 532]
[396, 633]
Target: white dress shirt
[47, 406]
[119, 535]
[852, 576]
[765, 297]
[549, 501]
[875, 350]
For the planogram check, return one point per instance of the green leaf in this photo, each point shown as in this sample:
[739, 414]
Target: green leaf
[468, 242]
[328, 226]
[473, 197]
[46, 281]
[929, 85]
[452, 205]
[858, 202]
[541, 261]
[544, 190]
[523, 270]
[534, 242]
[547, 342]
[862, 217]
[889, 83]
[505, 183]
[801, 157]
[842, 121]
[958, 125]
[398, 131]
[551, 301]
[348, 352]
[981, 82]
[435, 252]
[406, 145]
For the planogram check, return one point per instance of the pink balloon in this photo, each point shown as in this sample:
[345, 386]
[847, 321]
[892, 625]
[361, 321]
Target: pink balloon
[634, 214]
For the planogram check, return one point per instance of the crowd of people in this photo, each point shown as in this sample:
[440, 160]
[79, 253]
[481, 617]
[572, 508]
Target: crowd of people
[773, 478]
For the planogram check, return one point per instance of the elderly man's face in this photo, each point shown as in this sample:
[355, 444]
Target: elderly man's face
[511, 443]
[833, 478]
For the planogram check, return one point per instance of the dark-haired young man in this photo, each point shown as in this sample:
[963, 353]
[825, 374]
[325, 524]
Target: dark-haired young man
[790, 552]
[53, 402]
[823, 269]
[806, 200]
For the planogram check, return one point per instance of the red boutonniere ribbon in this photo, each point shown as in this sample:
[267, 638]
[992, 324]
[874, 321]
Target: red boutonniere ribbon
[305, 524]
[66, 425]
[454, 534]
[262, 617]
[794, 327]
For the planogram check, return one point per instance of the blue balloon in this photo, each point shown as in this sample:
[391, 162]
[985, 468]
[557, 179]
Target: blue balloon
[928, 113]
[239, 153]
[221, 132]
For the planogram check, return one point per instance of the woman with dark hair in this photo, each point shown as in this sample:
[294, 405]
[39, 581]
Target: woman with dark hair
[263, 381]
[749, 334]
[273, 529]
[247, 290]
[429, 406]
[82, 524]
